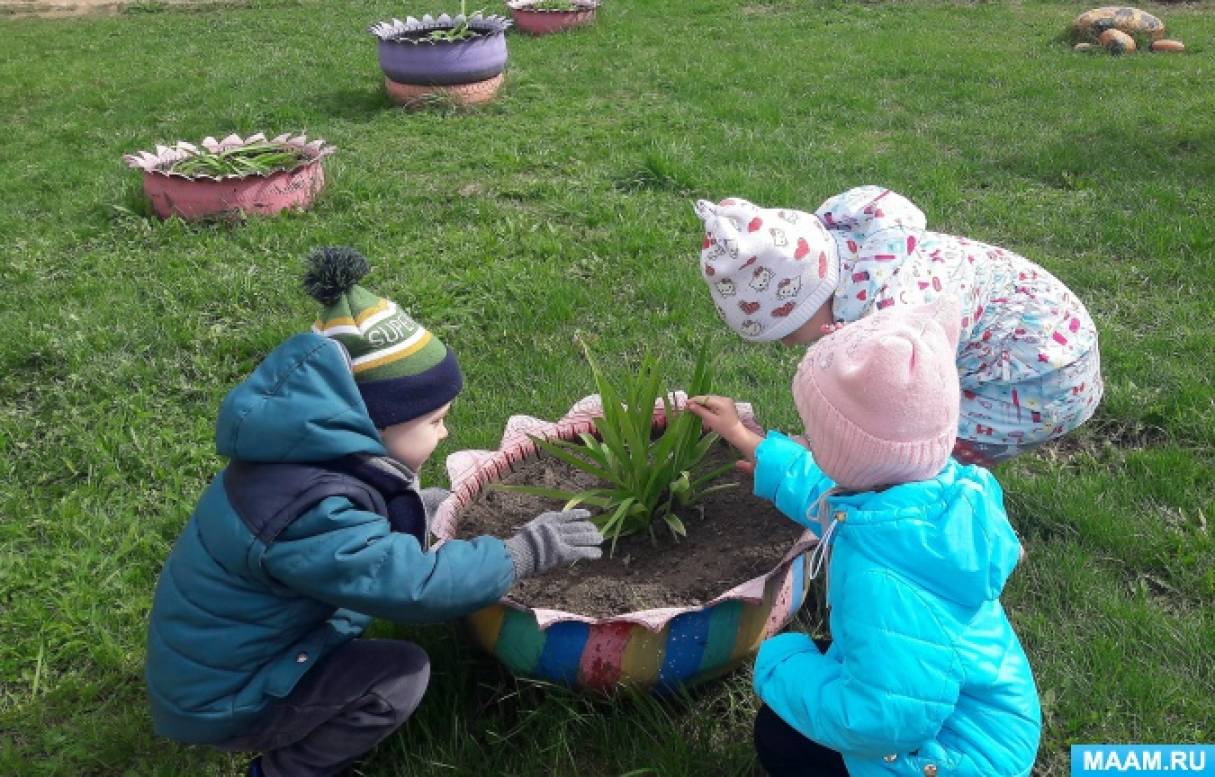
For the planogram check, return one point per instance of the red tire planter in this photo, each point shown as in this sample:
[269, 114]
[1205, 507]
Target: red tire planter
[200, 197]
[543, 22]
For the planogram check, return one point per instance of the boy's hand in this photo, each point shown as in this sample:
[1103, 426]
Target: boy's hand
[552, 539]
[720, 415]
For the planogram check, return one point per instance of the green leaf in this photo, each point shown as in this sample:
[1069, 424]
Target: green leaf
[676, 525]
[711, 475]
[593, 446]
[611, 527]
[702, 493]
[681, 489]
[562, 452]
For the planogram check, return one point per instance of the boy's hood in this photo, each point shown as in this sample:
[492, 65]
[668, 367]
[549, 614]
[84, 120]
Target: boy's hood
[955, 540]
[301, 404]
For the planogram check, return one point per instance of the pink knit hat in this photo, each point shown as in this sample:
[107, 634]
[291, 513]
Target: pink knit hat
[768, 269]
[879, 397]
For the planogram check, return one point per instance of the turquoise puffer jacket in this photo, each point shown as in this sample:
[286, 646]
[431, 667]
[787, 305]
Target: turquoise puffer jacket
[924, 675]
[238, 618]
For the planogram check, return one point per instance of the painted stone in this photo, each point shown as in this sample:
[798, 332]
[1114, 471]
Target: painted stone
[1089, 25]
[1117, 42]
[1165, 45]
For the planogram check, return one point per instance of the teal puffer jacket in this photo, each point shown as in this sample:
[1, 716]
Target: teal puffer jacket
[240, 615]
[924, 675]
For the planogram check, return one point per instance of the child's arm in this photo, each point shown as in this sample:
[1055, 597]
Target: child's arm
[898, 680]
[785, 472]
[352, 559]
[787, 476]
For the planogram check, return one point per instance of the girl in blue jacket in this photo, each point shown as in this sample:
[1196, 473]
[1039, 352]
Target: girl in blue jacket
[924, 676]
[316, 526]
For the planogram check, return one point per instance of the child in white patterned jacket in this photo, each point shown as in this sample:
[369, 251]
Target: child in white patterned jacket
[1028, 358]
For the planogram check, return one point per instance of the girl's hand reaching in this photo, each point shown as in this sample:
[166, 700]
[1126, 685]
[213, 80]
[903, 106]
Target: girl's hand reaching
[719, 414]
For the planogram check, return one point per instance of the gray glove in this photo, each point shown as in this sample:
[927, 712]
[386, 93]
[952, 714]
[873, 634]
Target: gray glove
[551, 539]
[431, 498]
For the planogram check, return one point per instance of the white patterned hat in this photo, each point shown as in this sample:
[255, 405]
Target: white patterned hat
[769, 270]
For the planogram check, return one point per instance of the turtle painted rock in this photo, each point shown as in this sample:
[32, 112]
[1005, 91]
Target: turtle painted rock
[1089, 25]
[1117, 42]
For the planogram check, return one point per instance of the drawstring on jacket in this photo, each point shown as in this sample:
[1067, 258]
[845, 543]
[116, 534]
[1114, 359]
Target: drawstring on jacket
[819, 557]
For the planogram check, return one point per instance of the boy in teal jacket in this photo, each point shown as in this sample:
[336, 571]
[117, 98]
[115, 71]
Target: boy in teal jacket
[924, 676]
[316, 526]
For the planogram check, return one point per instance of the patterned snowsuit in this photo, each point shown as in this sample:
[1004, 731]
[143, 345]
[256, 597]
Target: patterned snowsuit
[1027, 358]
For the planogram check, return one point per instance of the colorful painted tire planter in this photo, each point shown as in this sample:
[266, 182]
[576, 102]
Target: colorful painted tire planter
[539, 21]
[202, 197]
[659, 649]
[467, 71]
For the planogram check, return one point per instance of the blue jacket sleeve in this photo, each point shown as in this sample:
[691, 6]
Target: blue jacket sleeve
[352, 559]
[786, 475]
[891, 681]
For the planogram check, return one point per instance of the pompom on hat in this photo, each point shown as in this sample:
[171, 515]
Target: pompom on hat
[880, 397]
[402, 370]
[769, 270]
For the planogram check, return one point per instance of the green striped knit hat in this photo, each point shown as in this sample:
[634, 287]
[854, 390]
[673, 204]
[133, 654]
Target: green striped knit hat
[402, 370]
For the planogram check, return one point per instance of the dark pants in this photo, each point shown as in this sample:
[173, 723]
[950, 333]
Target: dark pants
[340, 709]
[784, 752]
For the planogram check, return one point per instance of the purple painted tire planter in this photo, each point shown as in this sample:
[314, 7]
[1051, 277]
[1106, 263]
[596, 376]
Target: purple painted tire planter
[406, 57]
[660, 650]
[444, 64]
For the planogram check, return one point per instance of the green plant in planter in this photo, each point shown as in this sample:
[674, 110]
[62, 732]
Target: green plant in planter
[646, 479]
[253, 159]
[460, 31]
[553, 5]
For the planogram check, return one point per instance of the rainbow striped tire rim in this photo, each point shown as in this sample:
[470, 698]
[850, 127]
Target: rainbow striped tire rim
[661, 649]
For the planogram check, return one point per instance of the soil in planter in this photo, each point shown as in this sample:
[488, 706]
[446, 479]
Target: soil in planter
[739, 537]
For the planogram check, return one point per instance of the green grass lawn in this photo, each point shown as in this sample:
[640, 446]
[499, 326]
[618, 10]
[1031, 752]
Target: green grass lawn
[565, 206]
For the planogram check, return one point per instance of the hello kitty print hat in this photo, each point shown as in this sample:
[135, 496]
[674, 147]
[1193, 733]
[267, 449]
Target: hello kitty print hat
[768, 269]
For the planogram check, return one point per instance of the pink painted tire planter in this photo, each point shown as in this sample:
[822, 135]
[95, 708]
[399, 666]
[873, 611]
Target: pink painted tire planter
[659, 650]
[201, 197]
[415, 96]
[262, 196]
[540, 22]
